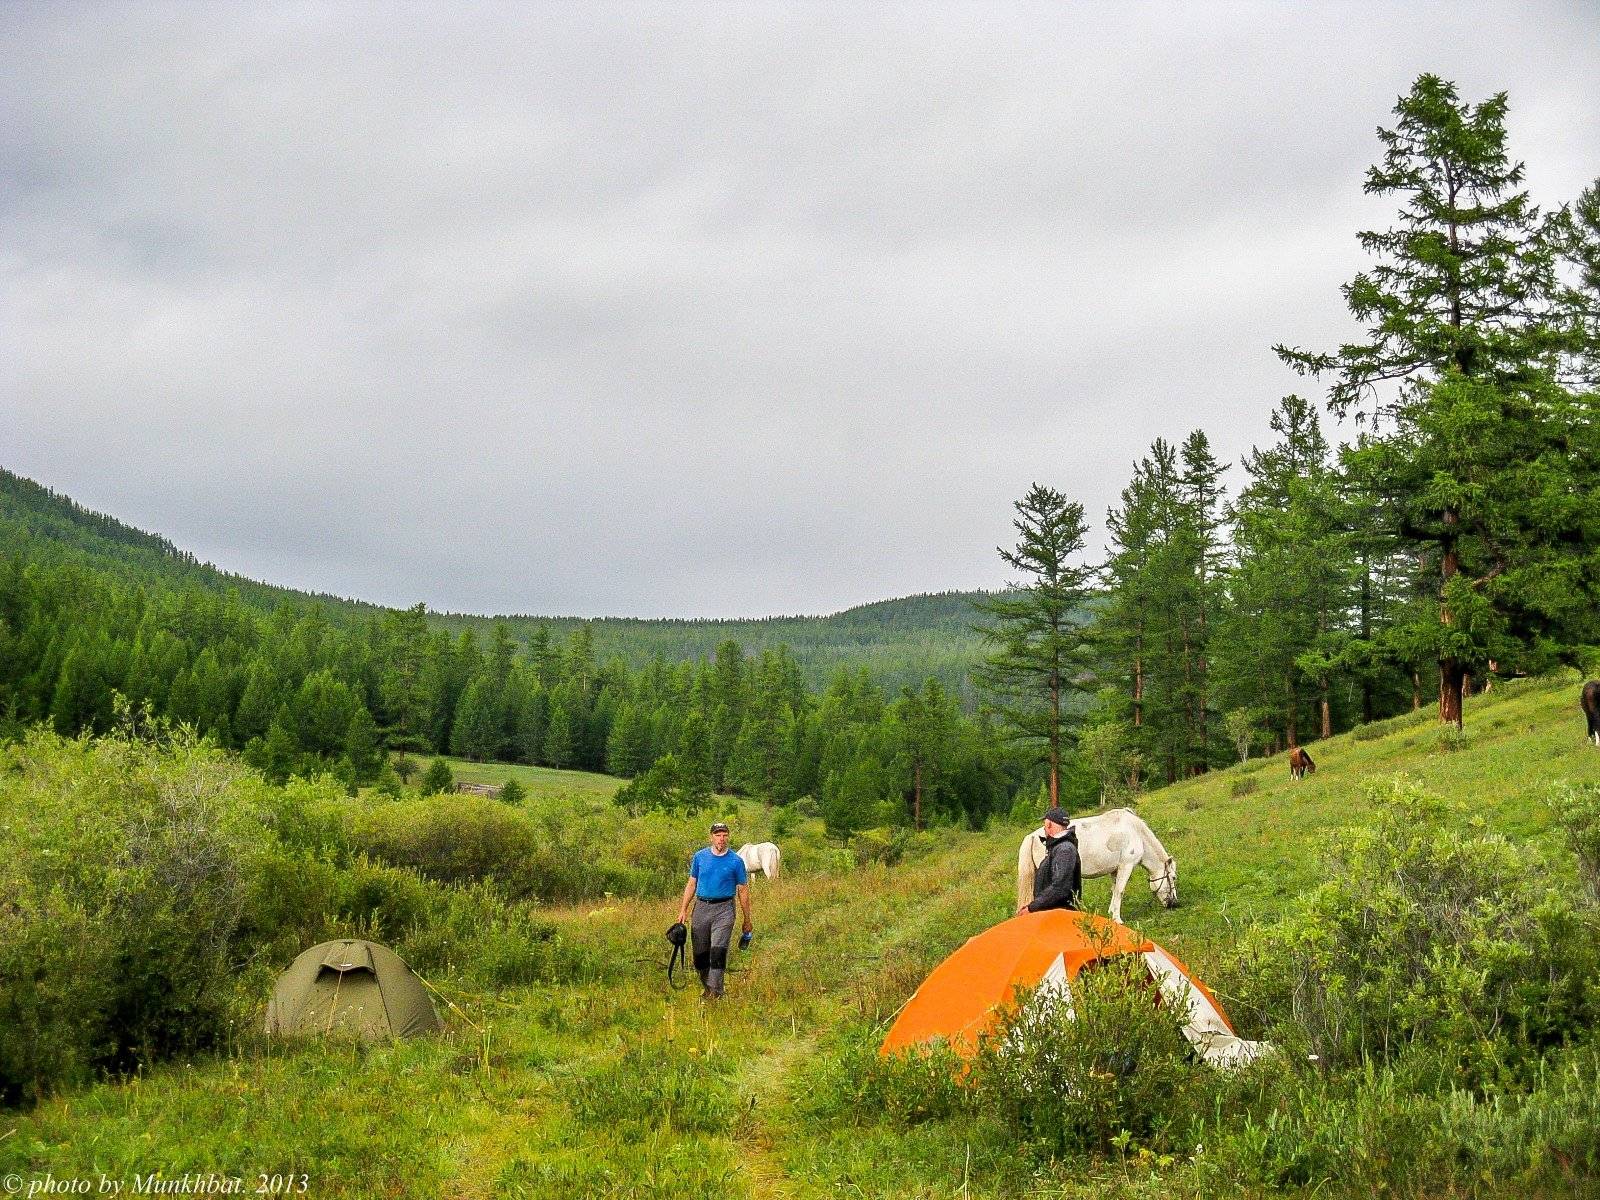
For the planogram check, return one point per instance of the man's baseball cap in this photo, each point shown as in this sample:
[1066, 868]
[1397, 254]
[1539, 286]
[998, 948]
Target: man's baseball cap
[1058, 815]
[719, 827]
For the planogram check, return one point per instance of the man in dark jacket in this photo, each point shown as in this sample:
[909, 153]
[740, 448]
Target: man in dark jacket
[1058, 882]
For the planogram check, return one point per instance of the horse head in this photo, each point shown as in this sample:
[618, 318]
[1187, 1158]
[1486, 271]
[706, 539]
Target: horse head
[1164, 883]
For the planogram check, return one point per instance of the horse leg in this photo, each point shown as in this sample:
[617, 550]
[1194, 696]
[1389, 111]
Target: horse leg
[1121, 881]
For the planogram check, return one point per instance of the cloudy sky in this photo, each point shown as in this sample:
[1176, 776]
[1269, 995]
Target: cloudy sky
[687, 310]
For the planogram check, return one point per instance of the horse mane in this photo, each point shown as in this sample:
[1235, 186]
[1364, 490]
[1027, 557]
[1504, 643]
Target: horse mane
[1148, 834]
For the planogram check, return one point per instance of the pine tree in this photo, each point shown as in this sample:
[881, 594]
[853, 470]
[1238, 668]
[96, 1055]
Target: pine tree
[926, 736]
[1291, 589]
[402, 681]
[437, 778]
[1480, 460]
[257, 703]
[560, 740]
[475, 733]
[628, 746]
[1154, 631]
[361, 746]
[321, 712]
[1039, 656]
[1575, 232]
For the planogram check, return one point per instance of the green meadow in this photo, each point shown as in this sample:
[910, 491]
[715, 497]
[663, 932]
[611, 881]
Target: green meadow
[542, 781]
[588, 1076]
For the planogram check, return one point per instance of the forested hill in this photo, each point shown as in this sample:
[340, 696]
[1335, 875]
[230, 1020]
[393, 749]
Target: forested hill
[899, 642]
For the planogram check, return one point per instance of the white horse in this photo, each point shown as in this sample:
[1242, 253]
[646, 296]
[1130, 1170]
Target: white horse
[1108, 843]
[761, 856]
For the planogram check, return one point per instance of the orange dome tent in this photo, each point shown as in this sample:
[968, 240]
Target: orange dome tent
[965, 994]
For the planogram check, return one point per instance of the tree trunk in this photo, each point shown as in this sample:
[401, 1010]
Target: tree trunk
[1452, 671]
[1452, 676]
[1138, 682]
[1416, 689]
[1322, 704]
[1291, 717]
[1366, 636]
[1055, 741]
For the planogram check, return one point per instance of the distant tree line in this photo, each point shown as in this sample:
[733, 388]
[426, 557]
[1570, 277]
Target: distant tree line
[1455, 538]
[298, 694]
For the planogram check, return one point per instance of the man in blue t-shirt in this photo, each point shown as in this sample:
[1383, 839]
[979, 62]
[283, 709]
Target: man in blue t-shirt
[716, 878]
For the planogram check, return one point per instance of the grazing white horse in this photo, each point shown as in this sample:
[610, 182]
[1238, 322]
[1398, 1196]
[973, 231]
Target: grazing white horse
[1109, 843]
[761, 856]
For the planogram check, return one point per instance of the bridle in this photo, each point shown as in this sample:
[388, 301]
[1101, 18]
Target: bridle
[1168, 877]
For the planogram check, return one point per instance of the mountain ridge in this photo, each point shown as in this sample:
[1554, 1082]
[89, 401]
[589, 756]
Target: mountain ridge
[899, 639]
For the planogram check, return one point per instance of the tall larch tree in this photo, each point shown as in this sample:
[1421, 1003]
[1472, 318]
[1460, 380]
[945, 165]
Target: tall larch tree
[1478, 456]
[1038, 656]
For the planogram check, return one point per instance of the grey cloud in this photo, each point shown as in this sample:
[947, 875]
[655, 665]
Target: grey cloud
[688, 309]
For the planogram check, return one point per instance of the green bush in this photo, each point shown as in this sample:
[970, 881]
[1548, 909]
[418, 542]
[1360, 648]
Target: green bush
[452, 839]
[1390, 1131]
[887, 845]
[1373, 730]
[849, 1081]
[1107, 1068]
[54, 992]
[670, 785]
[475, 933]
[137, 877]
[127, 879]
[1244, 786]
[1577, 809]
[437, 779]
[1431, 935]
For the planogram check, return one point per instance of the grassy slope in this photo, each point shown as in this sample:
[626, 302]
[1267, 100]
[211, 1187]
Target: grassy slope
[488, 1109]
[538, 780]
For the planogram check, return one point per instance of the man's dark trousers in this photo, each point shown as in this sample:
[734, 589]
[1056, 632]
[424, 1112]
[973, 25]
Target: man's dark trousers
[712, 927]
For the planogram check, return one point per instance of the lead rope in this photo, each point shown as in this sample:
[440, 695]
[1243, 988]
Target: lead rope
[678, 956]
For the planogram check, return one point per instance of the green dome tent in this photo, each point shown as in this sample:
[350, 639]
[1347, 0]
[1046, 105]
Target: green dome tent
[350, 987]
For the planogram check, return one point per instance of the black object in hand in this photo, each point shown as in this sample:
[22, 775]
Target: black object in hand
[744, 939]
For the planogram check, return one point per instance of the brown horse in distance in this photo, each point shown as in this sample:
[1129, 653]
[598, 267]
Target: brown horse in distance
[1589, 701]
[1300, 764]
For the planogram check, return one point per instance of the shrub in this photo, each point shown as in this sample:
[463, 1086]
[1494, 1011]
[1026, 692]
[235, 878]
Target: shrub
[850, 1081]
[138, 876]
[1577, 809]
[1106, 1067]
[437, 779]
[452, 839]
[670, 785]
[474, 932]
[887, 845]
[54, 993]
[512, 792]
[1244, 786]
[1378, 729]
[659, 848]
[127, 879]
[1427, 935]
[1382, 1131]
